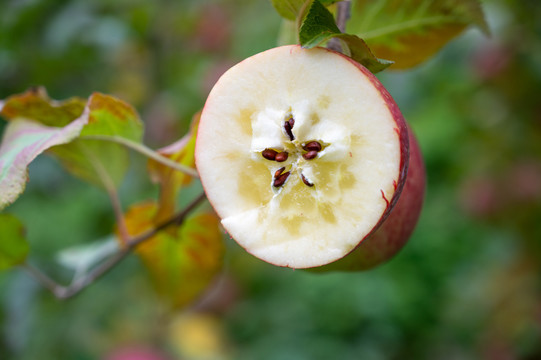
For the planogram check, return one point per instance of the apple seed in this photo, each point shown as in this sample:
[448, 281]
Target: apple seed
[291, 122]
[281, 156]
[279, 172]
[269, 154]
[310, 155]
[287, 127]
[280, 180]
[312, 146]
[305, 180]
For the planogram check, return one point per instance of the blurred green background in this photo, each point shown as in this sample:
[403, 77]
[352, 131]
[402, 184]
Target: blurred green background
[466, 286]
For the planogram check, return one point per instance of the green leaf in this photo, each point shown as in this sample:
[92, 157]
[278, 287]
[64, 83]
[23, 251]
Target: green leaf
[99, 161]
[319, 26]
[357, 49]
[409, 32]
[13, 245]
[288, 9]
[22, 142]
[182, 261]
[328, 2]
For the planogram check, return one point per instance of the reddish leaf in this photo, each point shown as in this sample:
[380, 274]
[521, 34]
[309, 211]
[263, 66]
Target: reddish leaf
[102, 116]
[22, 142]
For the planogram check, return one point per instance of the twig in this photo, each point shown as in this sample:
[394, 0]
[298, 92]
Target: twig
[65, 292]
[175, 220]
[343, 13]
[41, 278]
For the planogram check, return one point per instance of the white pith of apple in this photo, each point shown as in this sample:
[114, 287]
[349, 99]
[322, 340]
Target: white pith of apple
[302, 153]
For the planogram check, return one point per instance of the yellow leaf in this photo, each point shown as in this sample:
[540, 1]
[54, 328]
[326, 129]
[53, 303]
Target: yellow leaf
[413, 49]
[409, 32]
[183, 260]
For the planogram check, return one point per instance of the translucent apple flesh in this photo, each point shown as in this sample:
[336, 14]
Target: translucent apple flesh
[302, 153]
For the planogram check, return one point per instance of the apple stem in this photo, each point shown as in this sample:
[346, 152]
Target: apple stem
[343, 13]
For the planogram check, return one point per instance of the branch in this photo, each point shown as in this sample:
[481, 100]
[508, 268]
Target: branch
[343, 13]
[65, 292]
[41, 278]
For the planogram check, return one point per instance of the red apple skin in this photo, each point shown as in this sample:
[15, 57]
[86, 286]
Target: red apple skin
[395, 231]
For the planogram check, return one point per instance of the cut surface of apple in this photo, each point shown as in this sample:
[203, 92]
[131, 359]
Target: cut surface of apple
[302, 153]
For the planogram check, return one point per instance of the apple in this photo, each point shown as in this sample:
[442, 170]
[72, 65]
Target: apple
[395, 231]
[303, 154]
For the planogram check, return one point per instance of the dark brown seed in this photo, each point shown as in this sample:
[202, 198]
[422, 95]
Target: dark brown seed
[287, 127]
[279, 172]
[281, 156]
[280, 180]
[305, 180]
[291, 122]
[310, 155]
[269, 154]
[312, 145]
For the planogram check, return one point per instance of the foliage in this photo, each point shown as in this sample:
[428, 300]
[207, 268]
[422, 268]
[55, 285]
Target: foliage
[409, 32]
[404, 32]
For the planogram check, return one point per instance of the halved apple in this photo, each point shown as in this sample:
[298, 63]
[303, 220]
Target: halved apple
[303, 154]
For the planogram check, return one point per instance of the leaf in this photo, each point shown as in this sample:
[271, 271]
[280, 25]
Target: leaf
[290, 9]
[171, 180]
[181, 262]
[409, 32]
[35, 104]
[22, 142]
[98, 161]
[358, 50]
[13, 245]
[81, 258]
[319, 26]
[103, 117]
[328, 2]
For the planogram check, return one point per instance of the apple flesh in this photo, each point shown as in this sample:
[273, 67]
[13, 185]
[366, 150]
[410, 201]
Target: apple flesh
[395, 231]
[303, 154]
